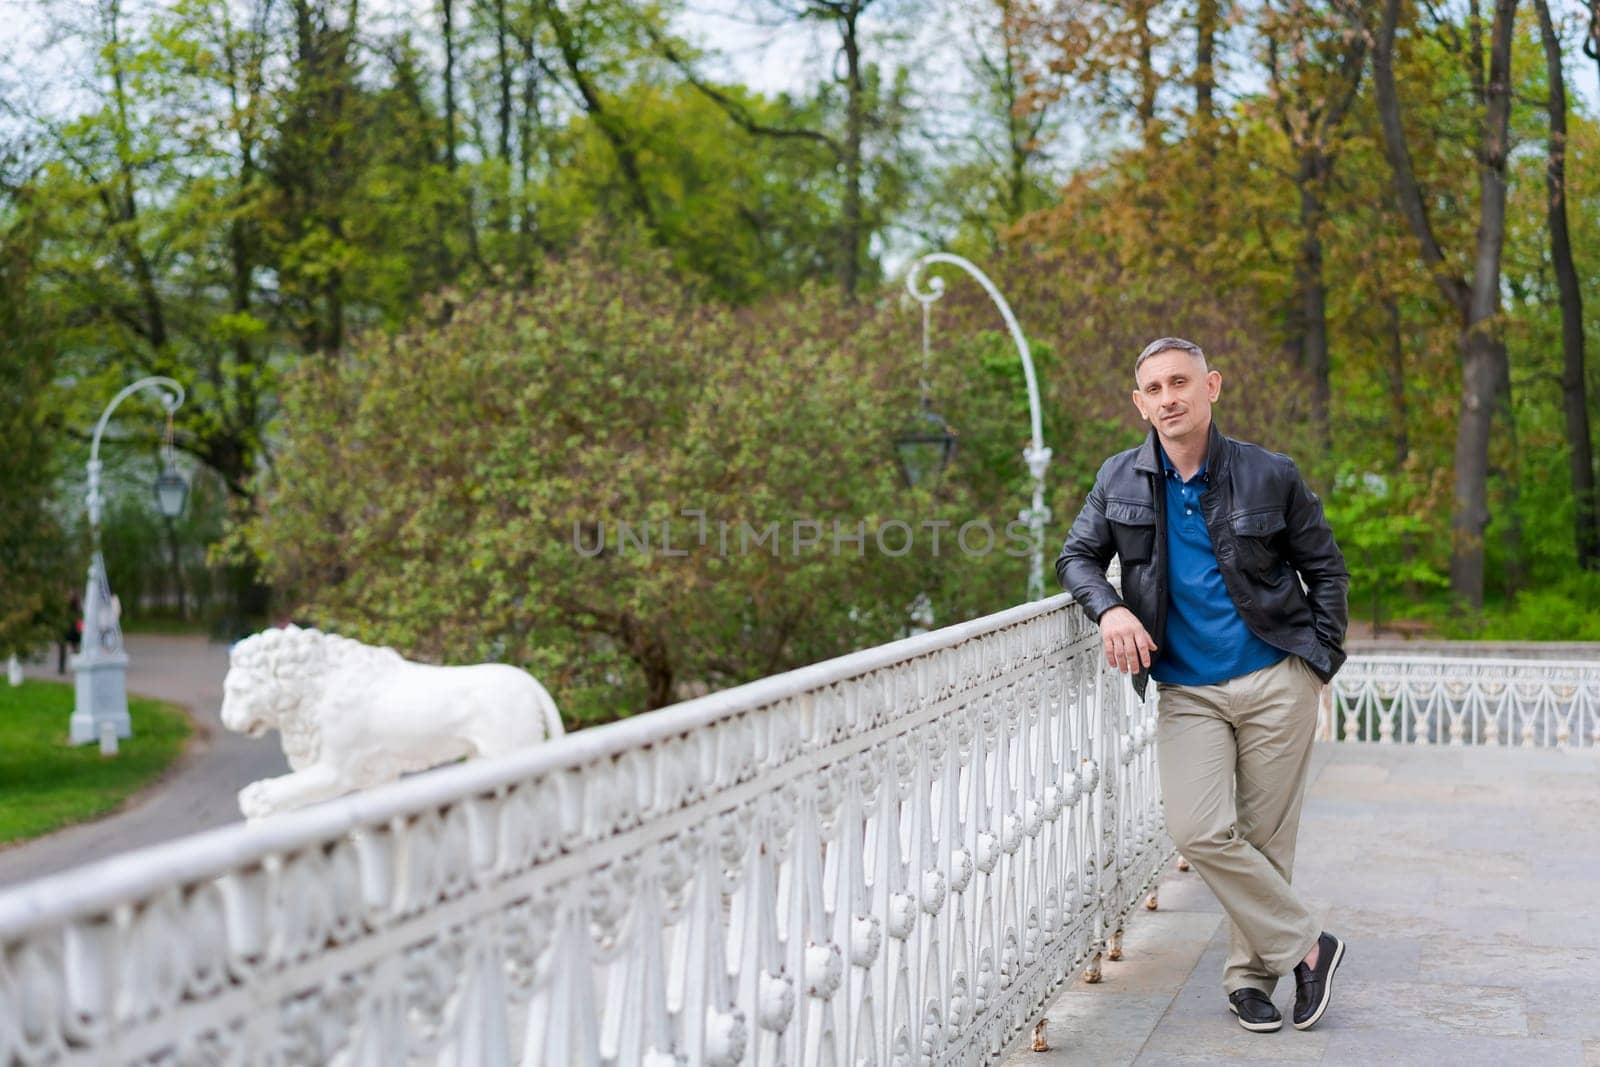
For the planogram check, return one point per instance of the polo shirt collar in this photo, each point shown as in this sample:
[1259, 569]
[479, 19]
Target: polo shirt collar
[1200, 475]
[1150, 456]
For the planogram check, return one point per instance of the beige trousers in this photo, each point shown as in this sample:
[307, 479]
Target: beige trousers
[1233, 761]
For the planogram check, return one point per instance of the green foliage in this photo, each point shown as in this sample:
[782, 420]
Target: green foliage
[36, 576]
[1567, 609]
[747, 213]
[432, 490]
[50, 784]
[240, 187]
[146, 205]
[1181, 211]
[1386, 537]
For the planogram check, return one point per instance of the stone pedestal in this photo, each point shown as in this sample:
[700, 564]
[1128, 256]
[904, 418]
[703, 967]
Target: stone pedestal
[102, 696]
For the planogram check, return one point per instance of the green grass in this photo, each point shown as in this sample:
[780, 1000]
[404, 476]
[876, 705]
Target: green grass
[46, 784]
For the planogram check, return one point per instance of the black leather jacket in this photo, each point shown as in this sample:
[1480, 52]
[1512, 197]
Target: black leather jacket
[1265, 526]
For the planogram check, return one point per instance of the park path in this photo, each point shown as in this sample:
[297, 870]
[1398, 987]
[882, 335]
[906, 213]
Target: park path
[197, 794]
[1466, 885]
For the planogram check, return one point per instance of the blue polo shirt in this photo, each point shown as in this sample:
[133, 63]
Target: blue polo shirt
[1206, 642]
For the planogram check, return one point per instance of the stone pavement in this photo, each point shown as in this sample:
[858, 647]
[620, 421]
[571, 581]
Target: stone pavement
[197, 794]
[1466, 884]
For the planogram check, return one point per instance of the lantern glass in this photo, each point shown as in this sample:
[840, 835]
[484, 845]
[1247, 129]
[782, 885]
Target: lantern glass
[171, 492]
[925, 450]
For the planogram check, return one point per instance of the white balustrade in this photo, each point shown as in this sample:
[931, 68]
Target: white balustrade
[889, 858]
[1464, 700]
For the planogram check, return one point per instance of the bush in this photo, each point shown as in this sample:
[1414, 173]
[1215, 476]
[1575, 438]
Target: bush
[431, 489]
[1568, 610]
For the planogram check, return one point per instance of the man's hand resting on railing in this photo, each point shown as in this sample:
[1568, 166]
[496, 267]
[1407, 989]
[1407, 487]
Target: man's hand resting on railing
[1127, 642]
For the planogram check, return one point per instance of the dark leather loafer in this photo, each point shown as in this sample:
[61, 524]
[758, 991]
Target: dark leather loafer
[1255, 1010]
[1313, 986]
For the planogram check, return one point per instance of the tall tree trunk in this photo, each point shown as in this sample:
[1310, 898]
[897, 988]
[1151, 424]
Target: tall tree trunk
[1470, 514]
[527, 122]
[447, 27]
[1019, 135]
[1483, 354]
[628, 159]
[1207, 18]
[503, 65]
[653, 656]
[1313, 298]
[469, 212]
[1397, 383]
[243, 230]
[317, 168]
[500, 199]
[1591, 43]
[335, 52]
[1312, 93]
[1402, 422]
[845, 15]
[127, 201]
[855, 126]
[1486, 349]
[1513, 570]
[1586, 530]
[1149, 80]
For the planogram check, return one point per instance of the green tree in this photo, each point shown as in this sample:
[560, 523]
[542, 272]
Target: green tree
[989, 172]
[749, 214]
[35, 573]
[146, 221]
[1474, 293]
[857, 114]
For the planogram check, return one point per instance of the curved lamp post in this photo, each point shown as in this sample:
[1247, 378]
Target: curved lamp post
[100, 669]
[1036, 455]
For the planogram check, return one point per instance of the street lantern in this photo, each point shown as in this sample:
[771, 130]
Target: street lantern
[171, 492]
[100, 669]
[1036, 457]
[171, 488]
[925, 448]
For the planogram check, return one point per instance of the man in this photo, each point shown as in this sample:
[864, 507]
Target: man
[1216, 537]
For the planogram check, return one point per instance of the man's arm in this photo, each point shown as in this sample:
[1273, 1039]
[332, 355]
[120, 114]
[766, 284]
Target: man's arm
[1314, 553]
[1081, 567]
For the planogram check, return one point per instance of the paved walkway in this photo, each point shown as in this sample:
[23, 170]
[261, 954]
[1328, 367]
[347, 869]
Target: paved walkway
[198, 794]
[1466, 884]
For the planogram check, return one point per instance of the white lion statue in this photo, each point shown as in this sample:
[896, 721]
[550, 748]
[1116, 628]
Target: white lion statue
[352, 716]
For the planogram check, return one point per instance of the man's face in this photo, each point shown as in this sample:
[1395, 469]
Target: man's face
[1175, 393]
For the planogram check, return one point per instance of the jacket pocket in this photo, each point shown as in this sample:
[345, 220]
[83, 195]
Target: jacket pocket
[1133, 527]
[1257, 534]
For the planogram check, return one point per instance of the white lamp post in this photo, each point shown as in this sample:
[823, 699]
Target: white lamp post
[1036, 456]
[100, 669]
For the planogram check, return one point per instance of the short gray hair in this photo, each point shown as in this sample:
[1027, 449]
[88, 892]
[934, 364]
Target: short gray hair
[1166, 344]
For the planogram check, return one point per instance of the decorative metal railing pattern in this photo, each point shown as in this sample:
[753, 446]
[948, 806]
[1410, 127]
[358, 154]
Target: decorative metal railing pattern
[1451, 700]
[889, 858]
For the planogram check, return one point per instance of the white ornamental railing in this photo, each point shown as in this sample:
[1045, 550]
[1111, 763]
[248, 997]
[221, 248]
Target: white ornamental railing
[1460, 700]
[889, 858]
